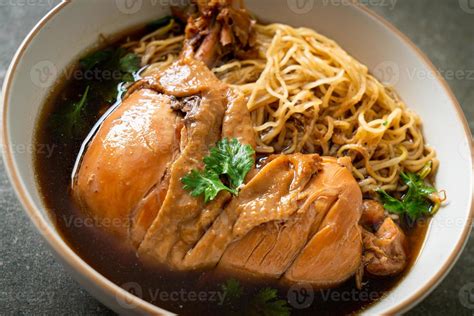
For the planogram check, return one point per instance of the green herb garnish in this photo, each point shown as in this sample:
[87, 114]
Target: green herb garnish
[205, 182]
[103, 73]
[111, 59]
[416, 201]
[265, 302]
[72, 121]
[129, 64]
[232, 289]
[92, 60]
[231, 158]
[230, 161]
[111, 65]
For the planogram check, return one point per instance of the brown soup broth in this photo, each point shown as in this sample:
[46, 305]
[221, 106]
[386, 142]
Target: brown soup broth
[192, 293]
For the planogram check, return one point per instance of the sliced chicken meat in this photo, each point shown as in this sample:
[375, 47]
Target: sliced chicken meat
[270, 249]
[333, 252]
[291, 221]
[203, 129]
[269, 196]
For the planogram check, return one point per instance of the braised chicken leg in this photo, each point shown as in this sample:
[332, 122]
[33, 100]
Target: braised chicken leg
[295, 219]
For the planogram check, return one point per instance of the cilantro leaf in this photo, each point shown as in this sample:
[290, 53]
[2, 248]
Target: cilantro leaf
[231, 158]
[116, 60]
[129, 63]
[415, 203]
[103, 73]
[391, 204]
[418, 207]
[416, 184]
[71, 123]
[106, 69]
[206, 182]
[92, 60]
[266, 303]
[232, 289]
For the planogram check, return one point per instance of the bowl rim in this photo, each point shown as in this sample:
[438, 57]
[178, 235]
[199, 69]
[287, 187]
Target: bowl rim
[66, 253]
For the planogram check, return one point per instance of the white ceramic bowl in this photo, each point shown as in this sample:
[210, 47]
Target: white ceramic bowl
[72, 27]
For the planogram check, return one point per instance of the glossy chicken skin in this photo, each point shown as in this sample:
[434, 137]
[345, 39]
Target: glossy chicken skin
[306, 246]
[203, 129]
[128, 157]
[221, 113]
[333, 253]
[133, 166]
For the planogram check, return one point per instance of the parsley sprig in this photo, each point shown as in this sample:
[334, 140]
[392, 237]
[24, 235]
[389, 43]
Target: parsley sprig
[229, 161]
[232, 289]
[205, 182]
[231, 158]
[417, 201]
[72, 121]
[102, 75]
[265, 302]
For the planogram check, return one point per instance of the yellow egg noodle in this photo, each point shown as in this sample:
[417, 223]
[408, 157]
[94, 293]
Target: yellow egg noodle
[306, 94]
